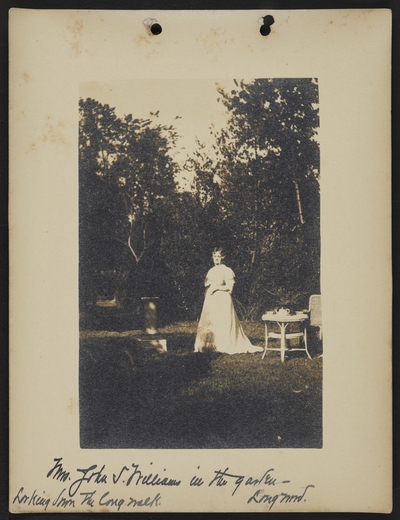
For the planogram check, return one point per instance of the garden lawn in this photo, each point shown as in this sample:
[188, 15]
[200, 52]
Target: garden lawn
[132, 396]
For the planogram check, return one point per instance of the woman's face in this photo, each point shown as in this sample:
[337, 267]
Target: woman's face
[217, 258]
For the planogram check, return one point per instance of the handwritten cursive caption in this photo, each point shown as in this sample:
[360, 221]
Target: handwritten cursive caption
[97, 488]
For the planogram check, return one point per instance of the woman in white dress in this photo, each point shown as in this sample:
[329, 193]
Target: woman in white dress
[219, 328]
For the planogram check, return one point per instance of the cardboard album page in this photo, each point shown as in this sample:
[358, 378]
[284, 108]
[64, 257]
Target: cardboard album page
[200, 261]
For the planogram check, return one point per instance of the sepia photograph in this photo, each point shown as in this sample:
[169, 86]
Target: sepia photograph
[199, 264]
[200, 255]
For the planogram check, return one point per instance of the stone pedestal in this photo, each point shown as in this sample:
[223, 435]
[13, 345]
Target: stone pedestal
[150, 314]
[151, 336]
[155, 341]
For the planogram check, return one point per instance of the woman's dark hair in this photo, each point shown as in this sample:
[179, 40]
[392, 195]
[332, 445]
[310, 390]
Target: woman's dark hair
[220, 251]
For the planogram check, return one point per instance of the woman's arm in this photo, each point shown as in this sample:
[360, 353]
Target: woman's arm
[215, 287]
[226, 285]
[223, 288]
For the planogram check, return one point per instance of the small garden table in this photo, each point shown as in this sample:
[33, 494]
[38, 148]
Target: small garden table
[283, 320]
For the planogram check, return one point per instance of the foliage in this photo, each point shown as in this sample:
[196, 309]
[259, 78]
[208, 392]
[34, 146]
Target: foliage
[256, 194]
[126, 182]
[265, 183]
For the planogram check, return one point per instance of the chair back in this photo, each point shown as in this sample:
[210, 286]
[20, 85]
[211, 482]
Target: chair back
[315, 310]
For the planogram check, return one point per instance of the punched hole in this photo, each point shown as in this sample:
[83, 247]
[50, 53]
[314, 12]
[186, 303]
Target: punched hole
[265, 30]
[267, 21]
[156, 28]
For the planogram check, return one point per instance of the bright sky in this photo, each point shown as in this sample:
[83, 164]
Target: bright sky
[194, 101]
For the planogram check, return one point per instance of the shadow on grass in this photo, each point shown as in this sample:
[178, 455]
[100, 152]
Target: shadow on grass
[137, 397]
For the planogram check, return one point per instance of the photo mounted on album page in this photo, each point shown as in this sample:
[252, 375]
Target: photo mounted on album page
[194, 328]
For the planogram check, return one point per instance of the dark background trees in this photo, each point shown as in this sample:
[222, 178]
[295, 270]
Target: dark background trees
[269, 171]
[126, 182]
[255, 193]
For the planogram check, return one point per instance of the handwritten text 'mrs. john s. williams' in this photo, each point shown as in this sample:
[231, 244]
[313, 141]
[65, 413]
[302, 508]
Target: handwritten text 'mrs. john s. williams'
[94, 476]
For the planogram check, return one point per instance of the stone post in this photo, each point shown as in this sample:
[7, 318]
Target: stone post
[150, 314]
[151, 337]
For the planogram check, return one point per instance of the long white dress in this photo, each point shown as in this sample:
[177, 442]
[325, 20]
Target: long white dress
[219, 327]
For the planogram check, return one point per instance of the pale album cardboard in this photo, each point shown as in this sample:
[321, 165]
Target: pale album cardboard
[52, 54]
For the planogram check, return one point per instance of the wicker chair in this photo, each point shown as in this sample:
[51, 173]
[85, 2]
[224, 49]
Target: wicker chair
[315, 312]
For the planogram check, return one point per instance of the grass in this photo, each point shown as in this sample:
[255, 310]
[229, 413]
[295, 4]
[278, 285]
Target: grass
[133, 396]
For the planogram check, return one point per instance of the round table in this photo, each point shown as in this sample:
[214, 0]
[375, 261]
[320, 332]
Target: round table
[283, 320]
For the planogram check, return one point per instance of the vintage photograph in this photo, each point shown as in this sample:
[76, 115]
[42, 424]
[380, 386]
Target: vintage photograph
[200, 252]
[199, 264]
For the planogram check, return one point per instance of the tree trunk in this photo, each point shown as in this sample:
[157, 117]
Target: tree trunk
[299, 202]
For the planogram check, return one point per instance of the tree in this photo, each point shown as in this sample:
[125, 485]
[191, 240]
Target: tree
[267, 172]
[126, 181]
[195, 228]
